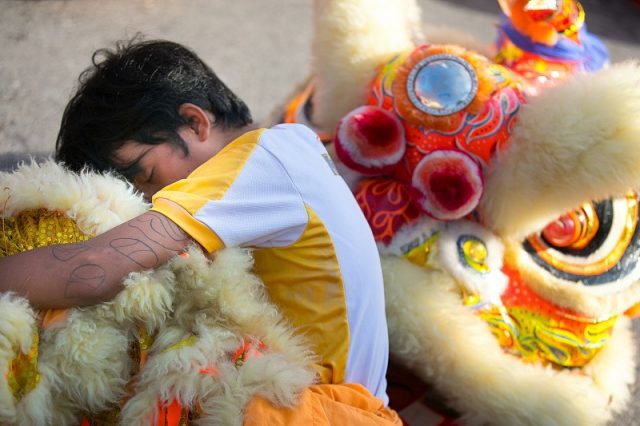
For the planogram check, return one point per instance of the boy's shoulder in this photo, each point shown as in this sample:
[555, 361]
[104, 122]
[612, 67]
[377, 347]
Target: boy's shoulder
[288, 146]
[290, 134]
[296, 128]
[290, 138]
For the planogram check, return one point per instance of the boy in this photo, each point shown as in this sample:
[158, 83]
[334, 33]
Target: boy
[155, 113]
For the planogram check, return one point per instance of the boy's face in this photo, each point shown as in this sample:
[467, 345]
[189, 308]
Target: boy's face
[164, 164]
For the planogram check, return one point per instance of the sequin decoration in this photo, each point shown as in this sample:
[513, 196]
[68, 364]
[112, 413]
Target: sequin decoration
[528, 326]
[22, 373]
[35, 228]
[569, 19]
[187, 341]
[144, 342]
[536, 69]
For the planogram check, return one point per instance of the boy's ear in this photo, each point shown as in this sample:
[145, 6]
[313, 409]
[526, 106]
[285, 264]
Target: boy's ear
[199, 120]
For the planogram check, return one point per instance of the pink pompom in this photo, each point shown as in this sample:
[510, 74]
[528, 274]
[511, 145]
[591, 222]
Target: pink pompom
[447, 184]
[370, 140]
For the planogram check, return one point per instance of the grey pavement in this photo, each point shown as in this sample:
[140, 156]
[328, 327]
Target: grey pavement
[259, 47]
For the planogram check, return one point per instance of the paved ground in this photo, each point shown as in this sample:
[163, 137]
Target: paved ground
[260, 51]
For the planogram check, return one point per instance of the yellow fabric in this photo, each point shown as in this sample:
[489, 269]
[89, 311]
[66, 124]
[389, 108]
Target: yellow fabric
[304, 280]
[324, 405]
[208, 182]
[205, 236]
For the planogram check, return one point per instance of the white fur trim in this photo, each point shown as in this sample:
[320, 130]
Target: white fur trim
[472, 171]
[84, 361]
[90, 359]
[612, 368]
[36, 408]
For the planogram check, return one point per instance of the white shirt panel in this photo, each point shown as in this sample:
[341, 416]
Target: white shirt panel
[307, 163]
[262, 208]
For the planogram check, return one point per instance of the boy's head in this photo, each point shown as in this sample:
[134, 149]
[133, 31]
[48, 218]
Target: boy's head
[136, 95]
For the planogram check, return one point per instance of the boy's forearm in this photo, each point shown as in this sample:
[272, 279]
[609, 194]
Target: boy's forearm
[61, 276]
[79, 274]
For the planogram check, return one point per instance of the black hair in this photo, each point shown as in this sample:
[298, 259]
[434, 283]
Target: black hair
[133, 93]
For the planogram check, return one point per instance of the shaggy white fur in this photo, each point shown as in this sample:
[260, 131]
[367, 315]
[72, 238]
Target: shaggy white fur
[84, 363]
[16, 334]
[352, 38]
[449, 346]
[575, 142]
[96, 202]
[230, 305]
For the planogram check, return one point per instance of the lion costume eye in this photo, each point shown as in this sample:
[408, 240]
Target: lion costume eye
[595, 245]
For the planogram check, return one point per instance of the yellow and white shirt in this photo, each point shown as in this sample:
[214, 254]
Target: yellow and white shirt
[276, 190]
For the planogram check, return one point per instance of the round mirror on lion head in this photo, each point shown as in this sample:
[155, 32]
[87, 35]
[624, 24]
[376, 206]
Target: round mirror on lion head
[442, 84]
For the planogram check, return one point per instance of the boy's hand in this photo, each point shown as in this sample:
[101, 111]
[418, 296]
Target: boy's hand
[67, 275]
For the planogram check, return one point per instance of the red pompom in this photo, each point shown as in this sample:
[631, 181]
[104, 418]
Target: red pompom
[370, 140]
[447, 184]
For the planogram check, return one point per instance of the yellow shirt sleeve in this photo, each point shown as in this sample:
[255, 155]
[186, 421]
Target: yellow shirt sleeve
[181, 200]
[200, 232]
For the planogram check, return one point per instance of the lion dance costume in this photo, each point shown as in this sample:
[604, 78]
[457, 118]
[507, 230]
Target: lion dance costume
[505, 208]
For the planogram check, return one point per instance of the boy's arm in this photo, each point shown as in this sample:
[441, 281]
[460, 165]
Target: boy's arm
[77, 274]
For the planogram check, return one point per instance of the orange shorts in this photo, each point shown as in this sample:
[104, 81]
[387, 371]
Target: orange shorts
[319, 405]
[324, 405]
